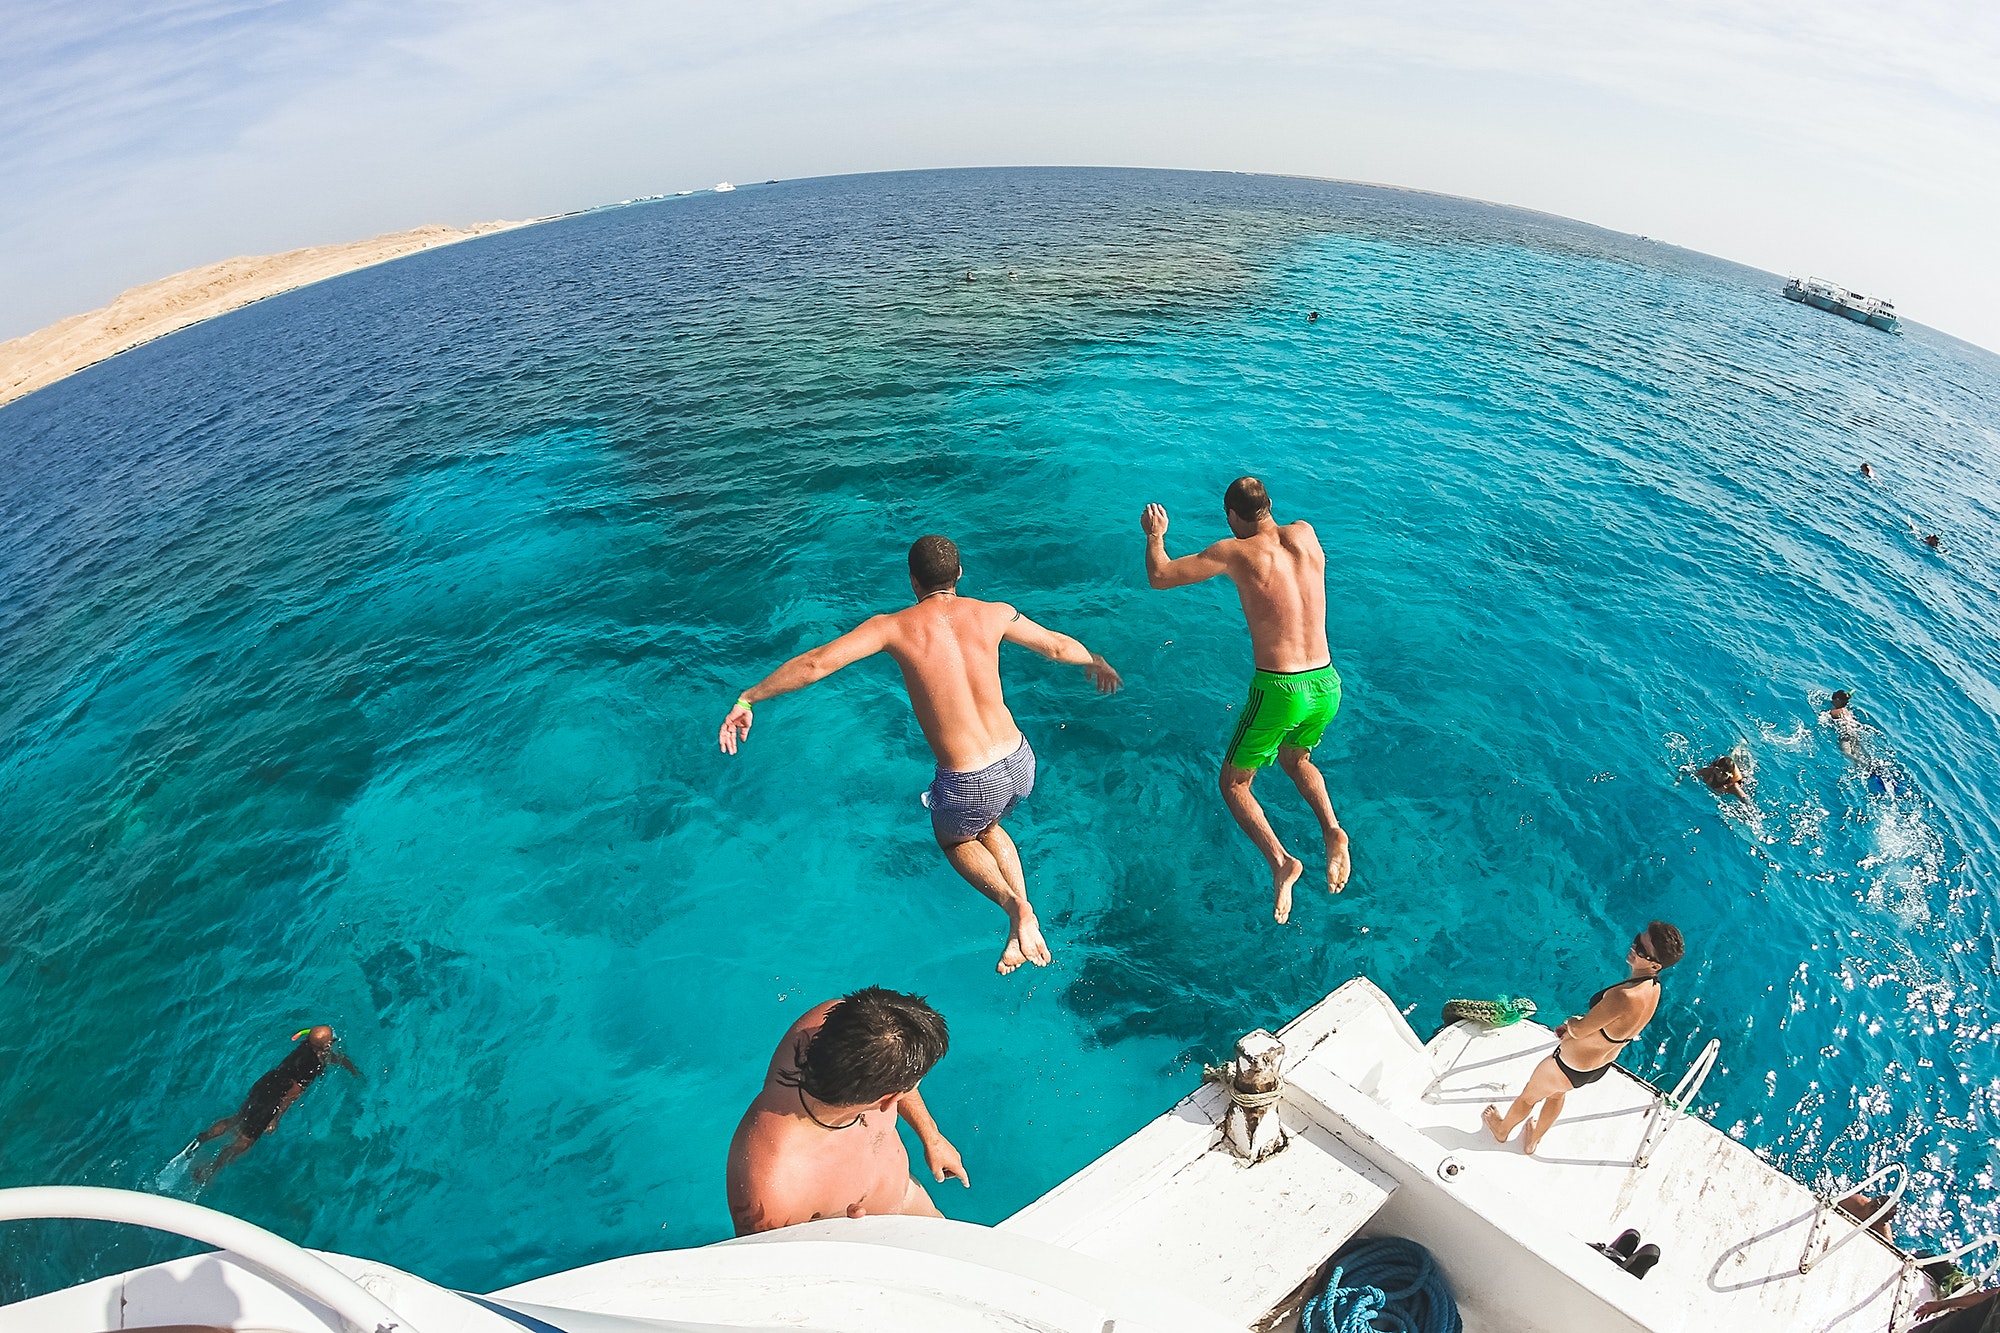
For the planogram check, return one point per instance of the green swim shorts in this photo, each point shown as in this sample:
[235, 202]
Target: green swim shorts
[1284, 708]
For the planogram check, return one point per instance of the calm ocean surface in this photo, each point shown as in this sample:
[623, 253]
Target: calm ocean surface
[362, 654]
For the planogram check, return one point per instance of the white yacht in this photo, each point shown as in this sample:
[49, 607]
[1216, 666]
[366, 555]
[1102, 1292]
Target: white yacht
[1223, 1214]
[723, 187]
[1873, 311]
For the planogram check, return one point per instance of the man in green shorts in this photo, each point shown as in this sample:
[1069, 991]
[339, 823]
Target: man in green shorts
[1280, 575]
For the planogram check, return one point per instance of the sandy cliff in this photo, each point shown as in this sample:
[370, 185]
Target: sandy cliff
[159, 308]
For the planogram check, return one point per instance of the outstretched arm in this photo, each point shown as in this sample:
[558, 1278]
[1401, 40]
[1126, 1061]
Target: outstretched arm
[335, 1057]
[864, 640]
[939, 1155]
[1061, 648]
[1162, 572]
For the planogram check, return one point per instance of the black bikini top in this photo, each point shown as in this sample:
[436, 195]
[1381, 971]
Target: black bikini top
[1633, 981]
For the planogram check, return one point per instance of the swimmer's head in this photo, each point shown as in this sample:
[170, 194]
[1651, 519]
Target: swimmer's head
[874, 1046]
[1246, 503]
[933, 564]
[1313, 318]
[1867, 471]
[1933, 541]
[1841, 698]
[321, 1036]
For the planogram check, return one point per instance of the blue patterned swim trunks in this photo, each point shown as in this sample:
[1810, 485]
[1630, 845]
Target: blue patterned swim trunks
[965, 805]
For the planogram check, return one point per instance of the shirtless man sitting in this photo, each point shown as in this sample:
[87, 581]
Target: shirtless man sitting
[1280, 576]
[820, 1139]
[949, 649]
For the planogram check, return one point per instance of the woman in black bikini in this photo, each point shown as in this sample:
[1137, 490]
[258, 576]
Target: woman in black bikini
[1589, 1045]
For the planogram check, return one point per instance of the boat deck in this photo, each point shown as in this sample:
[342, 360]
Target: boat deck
[1731, 1228]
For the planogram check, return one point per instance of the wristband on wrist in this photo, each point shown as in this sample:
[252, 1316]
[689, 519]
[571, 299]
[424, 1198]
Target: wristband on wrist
[744, 704]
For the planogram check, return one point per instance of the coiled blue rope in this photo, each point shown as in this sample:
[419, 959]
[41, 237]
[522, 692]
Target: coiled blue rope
[1383, 1285]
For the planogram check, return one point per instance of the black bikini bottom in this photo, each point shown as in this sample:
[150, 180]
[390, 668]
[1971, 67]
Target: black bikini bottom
[1579, 1077]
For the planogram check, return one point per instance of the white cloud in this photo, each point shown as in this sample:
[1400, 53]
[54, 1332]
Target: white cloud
[1844, 138]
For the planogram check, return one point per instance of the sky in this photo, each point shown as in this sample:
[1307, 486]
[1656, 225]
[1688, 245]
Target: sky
[1858, 142]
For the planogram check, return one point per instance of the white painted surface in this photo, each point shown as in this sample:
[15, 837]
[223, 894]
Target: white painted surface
[873, 1275]
[1730, 1227]
[1174, 1205]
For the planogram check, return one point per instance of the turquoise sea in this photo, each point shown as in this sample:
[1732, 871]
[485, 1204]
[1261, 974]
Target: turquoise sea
[362, 655]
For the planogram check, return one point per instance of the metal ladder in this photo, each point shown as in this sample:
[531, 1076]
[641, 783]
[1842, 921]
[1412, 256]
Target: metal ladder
[1670, 1108]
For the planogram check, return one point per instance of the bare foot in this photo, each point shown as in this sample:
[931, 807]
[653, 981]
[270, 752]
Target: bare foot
[1339, 865]
[1490, 1117]
[1024, 945]
[1011, 957]
[1282, 879]
[1533, 1138]
[1029, 931]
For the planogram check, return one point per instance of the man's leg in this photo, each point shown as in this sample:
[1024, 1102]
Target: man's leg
[1298, 766]
[977, 862]
[1285, 868]
[999, 842]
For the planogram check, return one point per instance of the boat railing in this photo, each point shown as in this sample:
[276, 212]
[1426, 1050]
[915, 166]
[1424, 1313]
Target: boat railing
[1900, 1319]
[1829, 1201]
[1670, 1108]
[1952, 1256]
[290, 1266]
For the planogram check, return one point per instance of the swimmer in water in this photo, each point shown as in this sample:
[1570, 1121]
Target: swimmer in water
[1935, 542]
[1725, 777]
[1846, 728]
[1867, 472]
[1280, 577]
[1313, 318]
[270, 1097]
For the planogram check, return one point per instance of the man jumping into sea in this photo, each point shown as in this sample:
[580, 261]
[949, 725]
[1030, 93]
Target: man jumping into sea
[1280, 575]
[949, 649]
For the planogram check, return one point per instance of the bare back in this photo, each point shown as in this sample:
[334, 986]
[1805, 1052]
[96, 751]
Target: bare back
[949, 650]
[1280, 575]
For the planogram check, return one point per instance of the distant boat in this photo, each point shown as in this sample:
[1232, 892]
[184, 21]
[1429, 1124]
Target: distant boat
[724, 187]
[1823, 295]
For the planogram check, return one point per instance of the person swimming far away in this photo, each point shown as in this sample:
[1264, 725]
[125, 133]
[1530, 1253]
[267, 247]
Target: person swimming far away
[1280, 577]
[819, 1139]
[1725, 777]
[270, 1097]
[1588, 1046]
[948, 647]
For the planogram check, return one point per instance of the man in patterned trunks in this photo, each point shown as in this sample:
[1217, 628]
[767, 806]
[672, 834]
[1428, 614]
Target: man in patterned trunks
[1280, 575]
[949, 649]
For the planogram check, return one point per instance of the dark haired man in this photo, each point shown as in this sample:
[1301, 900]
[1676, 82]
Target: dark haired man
[949, 650]
[1280, 577]
[820, 1138]
[270, 1097]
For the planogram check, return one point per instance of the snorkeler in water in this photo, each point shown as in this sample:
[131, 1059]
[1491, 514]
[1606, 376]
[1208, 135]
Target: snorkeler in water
[1846, 729]
[270, 1097]
[1882, 777]
[1725, 777]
